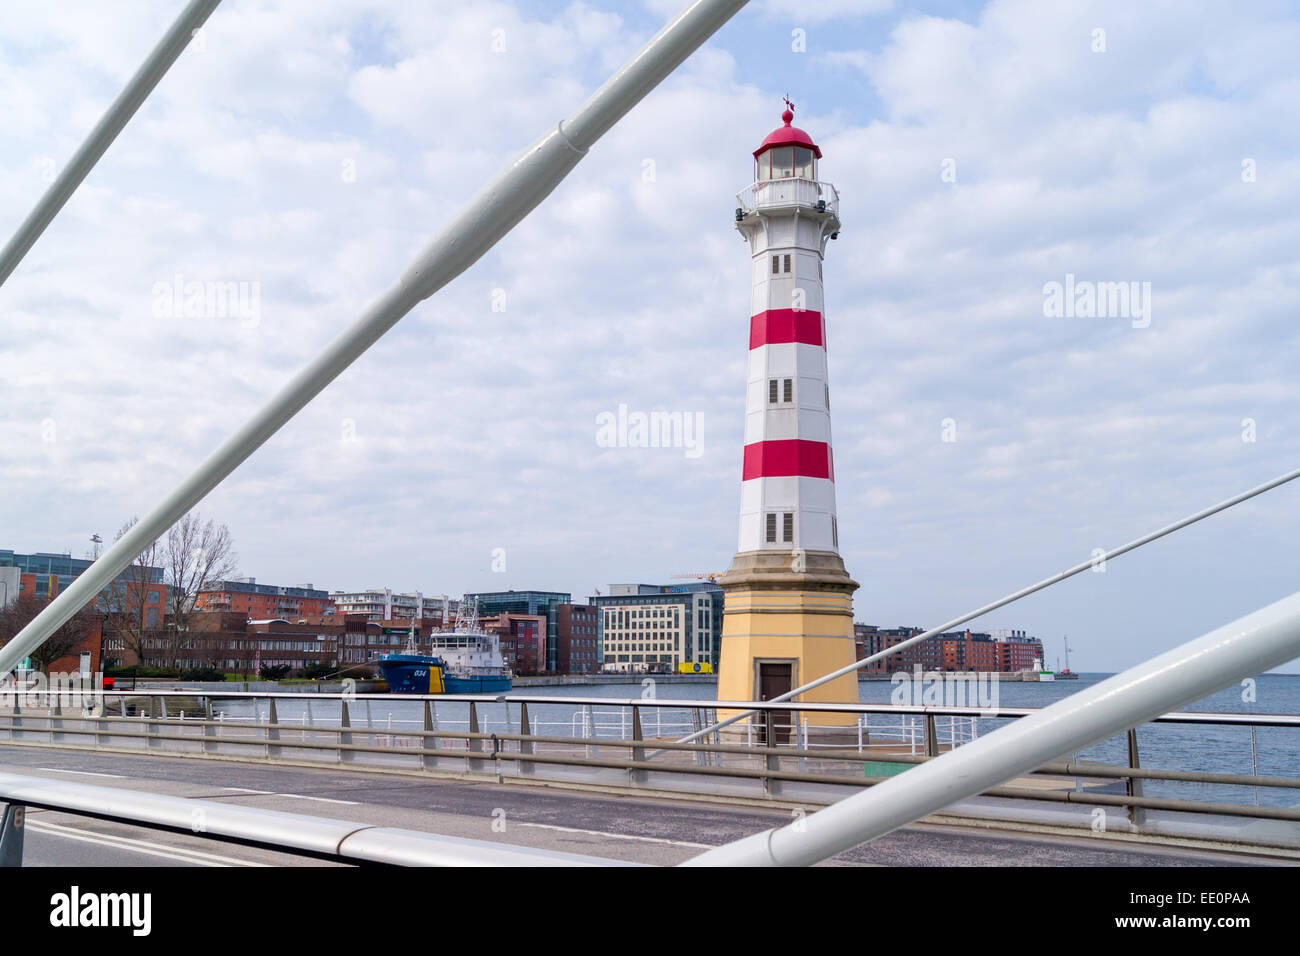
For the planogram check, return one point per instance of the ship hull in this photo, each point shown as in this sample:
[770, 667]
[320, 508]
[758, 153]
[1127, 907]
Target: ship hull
[487, 684]
[421, 674]
[413, 674]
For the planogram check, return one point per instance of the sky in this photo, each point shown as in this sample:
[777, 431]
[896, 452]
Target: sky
[983, 439]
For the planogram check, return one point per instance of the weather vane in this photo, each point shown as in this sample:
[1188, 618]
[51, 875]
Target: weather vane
[788, 104]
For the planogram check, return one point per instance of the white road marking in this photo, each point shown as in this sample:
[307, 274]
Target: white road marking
[84, 773]
[138, 846]
[346, 803]
[618, 836]
[295, 796]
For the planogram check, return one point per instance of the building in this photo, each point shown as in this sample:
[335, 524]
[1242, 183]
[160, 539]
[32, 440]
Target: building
[264, 601]
[1017, 651]
[364, 641]
[578, 639]
[523, 640]
[789, 599]
[968, 651]
[86, 657]
[545, 603]
[46, 574]
[11, 583]
[871, 640]
[229, 641]
[1002, 651]
[654, 627]
[383, 604]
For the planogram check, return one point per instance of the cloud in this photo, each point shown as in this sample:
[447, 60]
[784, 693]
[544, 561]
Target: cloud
[313, 149]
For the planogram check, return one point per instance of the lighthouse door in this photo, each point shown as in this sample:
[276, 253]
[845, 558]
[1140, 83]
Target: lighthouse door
[774, 679]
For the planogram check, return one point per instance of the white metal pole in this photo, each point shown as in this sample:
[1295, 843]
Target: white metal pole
[1243, 648]
[119, 113]
[498, 207]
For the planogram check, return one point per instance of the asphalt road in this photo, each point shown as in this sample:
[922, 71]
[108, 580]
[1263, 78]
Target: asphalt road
[614, 827]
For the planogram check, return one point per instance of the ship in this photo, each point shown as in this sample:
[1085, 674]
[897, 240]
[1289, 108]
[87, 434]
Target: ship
[464, 659]
[1065, 673]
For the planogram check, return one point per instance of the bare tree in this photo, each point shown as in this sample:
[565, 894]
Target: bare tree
[197, 556]
[126, 606]
[18, 613]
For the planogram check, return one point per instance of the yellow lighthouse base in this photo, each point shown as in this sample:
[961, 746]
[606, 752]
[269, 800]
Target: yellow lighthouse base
[787, 620]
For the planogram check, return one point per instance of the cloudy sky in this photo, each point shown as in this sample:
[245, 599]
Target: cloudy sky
[982, 152]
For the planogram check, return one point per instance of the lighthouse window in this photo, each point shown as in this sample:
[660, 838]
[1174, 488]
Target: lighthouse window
[787, 263]
[787, 527]
[771, 527]
[803, 162]
[771, 391]
[835, 532]
[789, 390]
[828, 398]
[782, 162]
[776, 265]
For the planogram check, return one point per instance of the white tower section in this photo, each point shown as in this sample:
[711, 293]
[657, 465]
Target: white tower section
[788, 483]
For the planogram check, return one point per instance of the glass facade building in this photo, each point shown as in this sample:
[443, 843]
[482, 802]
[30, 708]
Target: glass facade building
[54, 572]
[544, 603]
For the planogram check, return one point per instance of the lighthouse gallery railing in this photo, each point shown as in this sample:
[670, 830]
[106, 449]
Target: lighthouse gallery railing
[778, 193]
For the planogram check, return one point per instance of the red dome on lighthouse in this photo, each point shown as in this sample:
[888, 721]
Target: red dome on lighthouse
[788, 135]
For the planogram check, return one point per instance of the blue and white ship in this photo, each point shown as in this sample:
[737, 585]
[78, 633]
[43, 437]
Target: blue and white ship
[464, 659]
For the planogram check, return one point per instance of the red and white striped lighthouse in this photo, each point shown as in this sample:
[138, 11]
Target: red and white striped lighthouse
[788, 217]
[789, 613]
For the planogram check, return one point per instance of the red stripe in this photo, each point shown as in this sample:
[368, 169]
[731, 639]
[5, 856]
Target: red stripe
[785, 325]
[787, 458]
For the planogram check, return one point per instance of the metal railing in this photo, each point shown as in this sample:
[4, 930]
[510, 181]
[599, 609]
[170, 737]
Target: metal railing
[617, 742]
[1250, 645]
[298, 834]
[778, 193]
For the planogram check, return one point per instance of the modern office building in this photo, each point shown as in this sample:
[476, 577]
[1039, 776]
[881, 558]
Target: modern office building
[545, 603]
[656, 627]
[46, 575]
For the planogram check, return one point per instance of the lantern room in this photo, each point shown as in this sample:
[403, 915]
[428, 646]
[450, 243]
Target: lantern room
[787, 153]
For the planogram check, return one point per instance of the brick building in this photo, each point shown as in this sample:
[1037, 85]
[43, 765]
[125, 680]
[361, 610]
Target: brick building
[86, 656]
[578, 645]
[1004, 652]
[870, 640]
[230, 642]
[523, 640]
[265, 601]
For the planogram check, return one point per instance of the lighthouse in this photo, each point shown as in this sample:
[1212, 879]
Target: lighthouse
[788, 615]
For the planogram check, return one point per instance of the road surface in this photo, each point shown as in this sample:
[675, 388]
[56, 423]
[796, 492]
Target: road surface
[630, 827]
